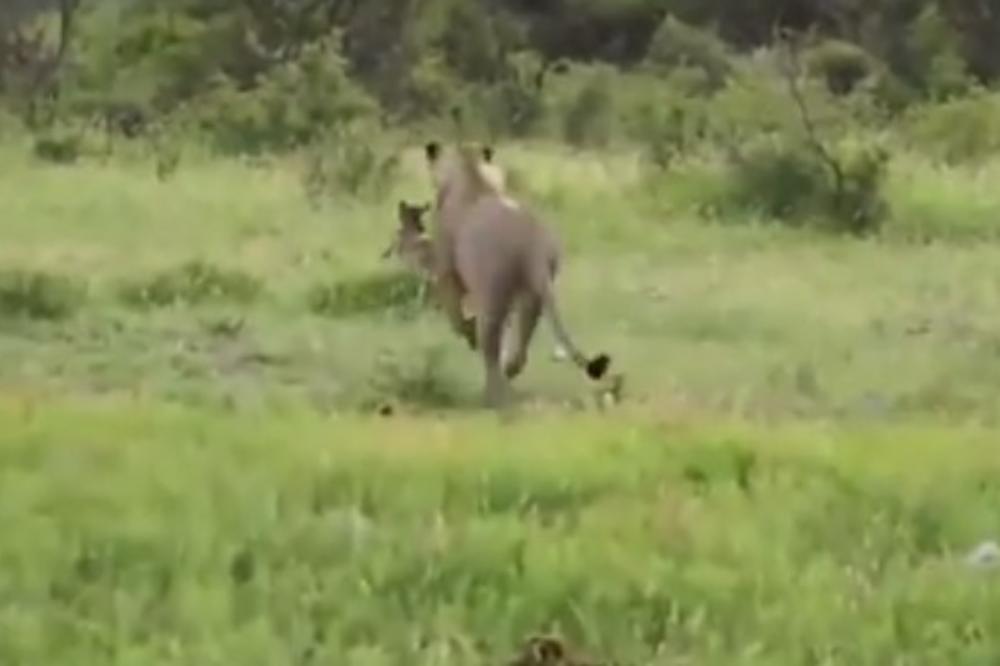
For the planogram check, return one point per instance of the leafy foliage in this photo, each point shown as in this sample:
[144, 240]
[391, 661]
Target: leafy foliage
[960, 130]
[682, 81]
[291, 105]
[677, 44]
[258, 60]
[841, 65]
[58, 147]
[38, 295]
[358, 159]
[589, 114]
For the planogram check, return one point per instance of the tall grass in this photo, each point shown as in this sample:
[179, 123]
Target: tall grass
[166, 536]
[754, 319]
[932, 201]
[171, 491]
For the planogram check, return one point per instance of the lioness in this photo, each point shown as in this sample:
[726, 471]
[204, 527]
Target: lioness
[489, 246]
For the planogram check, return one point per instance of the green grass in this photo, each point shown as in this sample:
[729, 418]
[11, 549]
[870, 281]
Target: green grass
[172, 536]
[803, 455]
[754, 320]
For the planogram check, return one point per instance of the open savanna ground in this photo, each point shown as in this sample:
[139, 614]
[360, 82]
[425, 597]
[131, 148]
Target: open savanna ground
[193, 468]
[228, 284]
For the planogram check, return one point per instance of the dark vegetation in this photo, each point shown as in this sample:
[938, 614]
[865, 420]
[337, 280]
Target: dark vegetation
[773, 90]
[396, 292]
[38, 295]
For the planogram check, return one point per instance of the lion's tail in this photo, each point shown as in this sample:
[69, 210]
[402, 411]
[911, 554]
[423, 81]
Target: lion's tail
[595, 367]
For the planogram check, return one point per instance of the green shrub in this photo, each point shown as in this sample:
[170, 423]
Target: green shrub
[165, 144]
[790, 181]
[667, 130]
[358, 159]
[860, 206]
[936, 47]
[960, 130]
[841, 65]
[192, 283]
[291, 105]
[471, 42]
[430, 91]
[756, 102]
[679, 45]
[58, 148]
[589, 117]
[515, 104]
[777, 179]
[397, 292]
[38, 295]
[785, 155]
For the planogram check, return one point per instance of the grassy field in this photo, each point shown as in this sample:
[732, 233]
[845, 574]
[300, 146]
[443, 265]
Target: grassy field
[803, 456]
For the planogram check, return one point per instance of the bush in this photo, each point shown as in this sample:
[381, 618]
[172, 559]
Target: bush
[430, 91]
[777, 179]
[515, 104]
[358, 159]
[292, 104]
[192, 283]
[961, 130]
[667, 130]
[860, 206]
[756, 102]
[165, 145]
[58, 148]
[937, 51]
[841, 65]
[789, 181]
[36, 295]
[589, 117]
[679, 45]
[397, 292]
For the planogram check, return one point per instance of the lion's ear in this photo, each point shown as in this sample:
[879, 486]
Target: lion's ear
[433, 151]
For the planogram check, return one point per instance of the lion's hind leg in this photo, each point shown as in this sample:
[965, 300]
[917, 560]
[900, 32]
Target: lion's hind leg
[528, 310]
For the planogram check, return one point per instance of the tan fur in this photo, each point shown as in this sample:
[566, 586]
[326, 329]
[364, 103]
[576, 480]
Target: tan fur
[491, 173]
[490, 247]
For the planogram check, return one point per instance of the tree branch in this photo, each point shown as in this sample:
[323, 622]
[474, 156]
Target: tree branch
[792, 70]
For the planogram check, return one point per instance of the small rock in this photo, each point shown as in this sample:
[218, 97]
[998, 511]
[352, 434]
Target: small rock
[984, 556]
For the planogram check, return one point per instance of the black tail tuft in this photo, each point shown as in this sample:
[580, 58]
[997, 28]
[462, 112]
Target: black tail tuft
[598, 366]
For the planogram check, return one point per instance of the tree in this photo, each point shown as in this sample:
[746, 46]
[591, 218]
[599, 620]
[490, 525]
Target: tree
[27, 62]
[978, 24]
